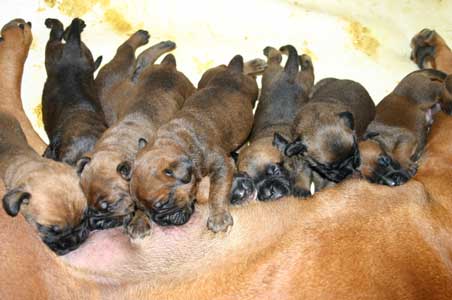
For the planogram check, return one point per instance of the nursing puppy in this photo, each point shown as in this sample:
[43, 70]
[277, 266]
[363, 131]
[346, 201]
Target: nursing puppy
[106, 171]
[47, 193]
[260, 163]
[72, 115]
[196, 143]
[326, 130]
[396, 138]
[14, 45]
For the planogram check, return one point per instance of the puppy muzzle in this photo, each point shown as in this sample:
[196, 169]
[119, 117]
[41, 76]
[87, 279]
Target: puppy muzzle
[273, 188]
[66, 241]
[99, 220]
[392, 177]
[169, 214]
[243, 188]
[338, 171]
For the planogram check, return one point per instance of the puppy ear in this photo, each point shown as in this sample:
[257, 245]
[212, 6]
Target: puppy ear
[369, 135]
[142, 142]
[169, 60]
[348, 119]
[13, 199]
[280, 142]
[294, 148]
[50, 152]
[81, 163]
[236, 64]
[125, 170]
[97, 62]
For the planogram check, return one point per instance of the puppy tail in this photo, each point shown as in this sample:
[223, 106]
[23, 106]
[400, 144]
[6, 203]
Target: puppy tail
[292, 64]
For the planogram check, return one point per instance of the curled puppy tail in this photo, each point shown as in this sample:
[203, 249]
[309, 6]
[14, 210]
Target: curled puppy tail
[292, 64]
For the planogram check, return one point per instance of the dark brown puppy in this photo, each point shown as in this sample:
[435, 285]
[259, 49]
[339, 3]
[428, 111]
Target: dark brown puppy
[396, 138]
[259, 163]
[47, 193]
[105, 172]
[196, 143]
[72, 115]
[326, 130]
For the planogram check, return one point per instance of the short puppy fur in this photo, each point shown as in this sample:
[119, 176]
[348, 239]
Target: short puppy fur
[45, 192]
[396, 138]
[326, 130]
[155, 97]
[260, 164]
[196, 143]
[72, 115]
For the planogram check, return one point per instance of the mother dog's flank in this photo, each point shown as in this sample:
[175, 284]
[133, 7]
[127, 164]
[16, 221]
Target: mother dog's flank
[47, 193]
[72, 114]
[259, 163]
[214, 121]
[14, 46]
[326, 130]
[154, 96]
[396, 138]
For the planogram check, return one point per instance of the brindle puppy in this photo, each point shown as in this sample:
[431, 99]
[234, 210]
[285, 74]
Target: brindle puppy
[260, 163]
[393, 143]
[71, 111]
[326, 130]
[196, 143]
[155, 96]
[47, 193]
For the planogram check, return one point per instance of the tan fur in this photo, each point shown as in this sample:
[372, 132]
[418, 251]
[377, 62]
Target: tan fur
[356, 240]
[13, 52]
[441, 58]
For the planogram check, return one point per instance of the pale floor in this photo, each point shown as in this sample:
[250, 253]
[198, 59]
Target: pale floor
[367, 41]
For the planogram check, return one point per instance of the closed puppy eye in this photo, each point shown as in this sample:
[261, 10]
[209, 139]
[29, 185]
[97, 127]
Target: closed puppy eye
[103, 205]
[168, 172]
[384, 161]
[56, 229]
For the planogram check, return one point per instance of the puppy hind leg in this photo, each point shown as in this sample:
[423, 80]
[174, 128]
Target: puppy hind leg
[56, 29]
[149, 56]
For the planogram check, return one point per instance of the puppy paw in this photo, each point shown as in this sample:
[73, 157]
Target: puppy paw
[255, 66]
[220, 221]
[139, 227]
[412, 169]
[167, 45]
[243, 189]
[300, 192]
[140, 37]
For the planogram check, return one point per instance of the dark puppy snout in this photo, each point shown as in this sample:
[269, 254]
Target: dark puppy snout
[169, 214]
[67, 240]
[242, 188]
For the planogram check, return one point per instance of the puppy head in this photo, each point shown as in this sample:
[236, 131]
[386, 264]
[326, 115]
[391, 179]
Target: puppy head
[104, 178]
[328, 143]
[273, 183]
[379, 167]
[164, 183]
[50, 198]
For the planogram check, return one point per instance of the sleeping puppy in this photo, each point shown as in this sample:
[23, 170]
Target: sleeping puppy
[396, 138]
[45, 192]
[326, 130]
[155, 97]
[196, 143]
[260, 164]
[72, 115]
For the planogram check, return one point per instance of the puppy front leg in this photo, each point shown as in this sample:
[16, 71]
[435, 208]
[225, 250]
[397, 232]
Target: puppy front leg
[302, 179]
[403, 153]
[221, 175]
[140, 225]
